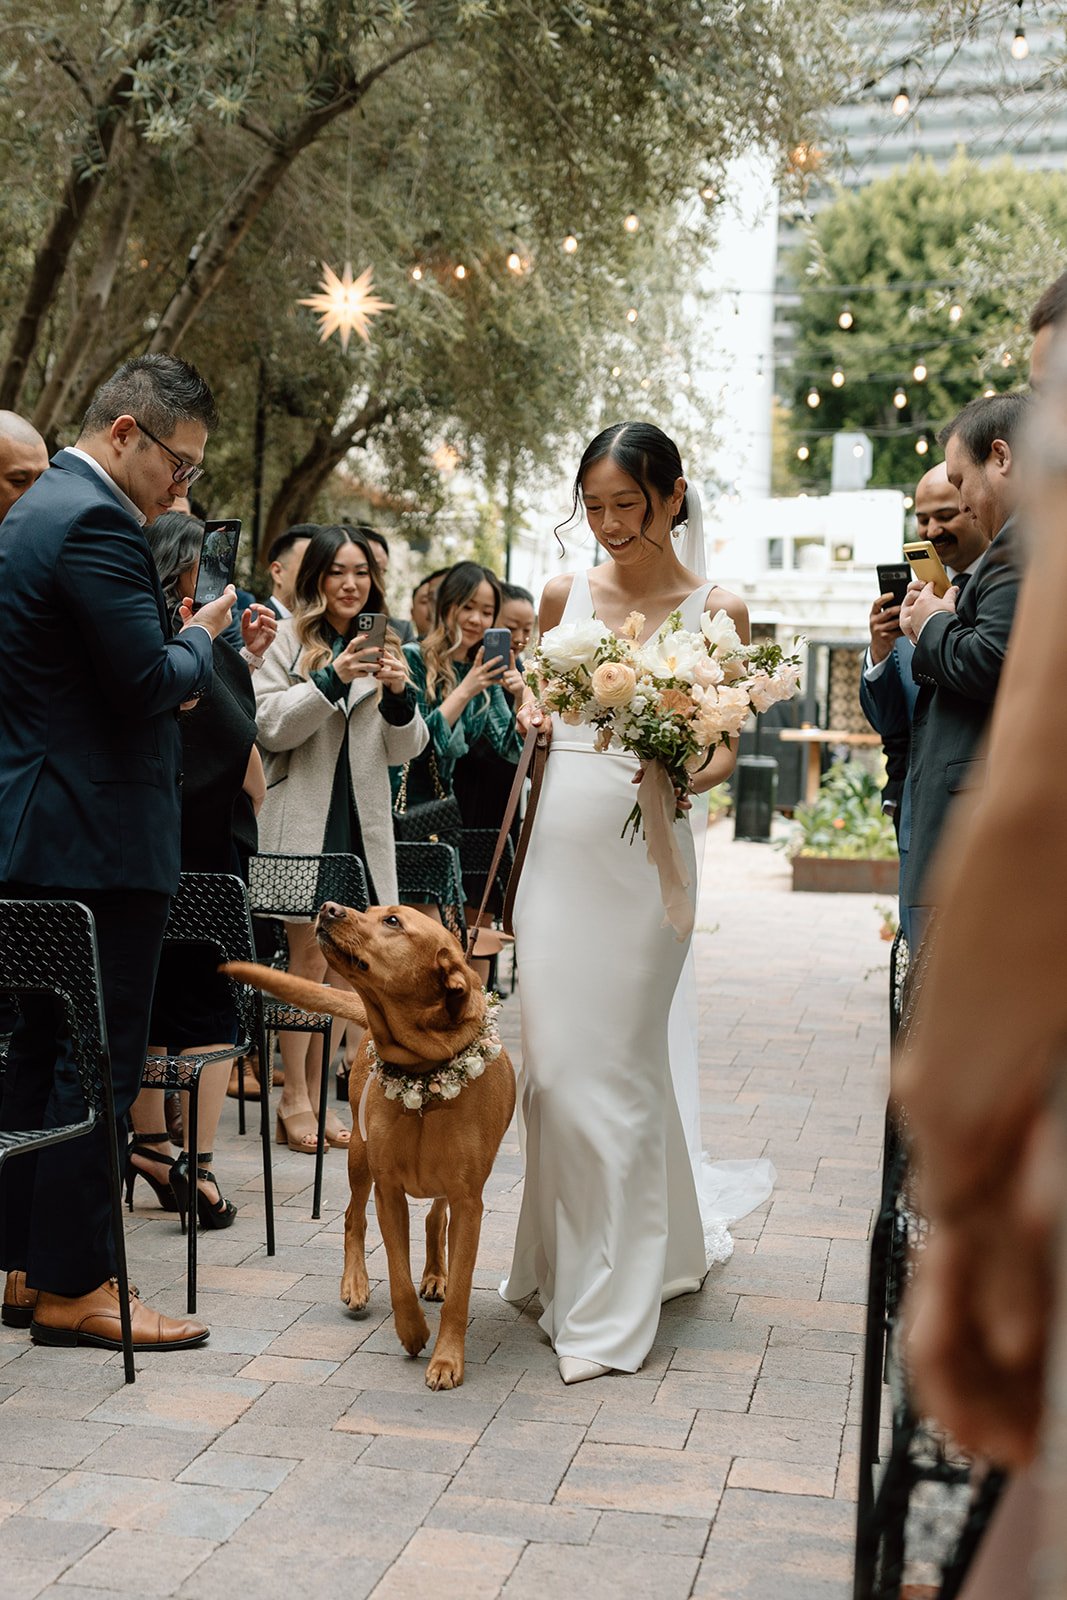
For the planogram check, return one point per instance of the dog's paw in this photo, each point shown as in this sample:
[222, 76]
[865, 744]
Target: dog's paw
[432, 1286]
[355, 1290]
[413, 1333]
[444, 1372]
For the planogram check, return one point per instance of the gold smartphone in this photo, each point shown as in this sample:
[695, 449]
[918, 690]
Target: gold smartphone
[927, 567]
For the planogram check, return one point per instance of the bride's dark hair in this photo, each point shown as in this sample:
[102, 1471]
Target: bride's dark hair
[644, 452]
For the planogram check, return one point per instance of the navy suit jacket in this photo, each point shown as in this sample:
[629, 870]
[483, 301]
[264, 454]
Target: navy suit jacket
[888, 703]
[90, 685]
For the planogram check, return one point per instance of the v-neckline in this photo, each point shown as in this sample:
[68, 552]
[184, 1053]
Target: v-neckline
[648, 640]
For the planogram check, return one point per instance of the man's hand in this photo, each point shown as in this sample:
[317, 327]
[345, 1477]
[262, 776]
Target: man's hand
[215, 616]
[920, 604]
[258, 627]
[885, 628]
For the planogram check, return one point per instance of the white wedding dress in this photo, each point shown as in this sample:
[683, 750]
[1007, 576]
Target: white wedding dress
[610, 1224]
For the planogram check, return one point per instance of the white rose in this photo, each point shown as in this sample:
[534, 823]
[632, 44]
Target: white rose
[449, 1090]
[413, 1099]
[573, 644]
[720, 632]
[493, 1049]
[477, 1066]
[675, 655]
[392, 1089]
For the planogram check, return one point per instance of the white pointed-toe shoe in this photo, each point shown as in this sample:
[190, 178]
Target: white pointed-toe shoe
[573, 1370]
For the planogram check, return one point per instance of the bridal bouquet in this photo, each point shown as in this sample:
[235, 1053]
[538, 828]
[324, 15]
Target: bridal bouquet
[670, 702]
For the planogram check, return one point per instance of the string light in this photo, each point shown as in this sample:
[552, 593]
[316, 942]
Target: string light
[708, 192]
[515, 263]
[901, 101]
[1007, 359]
[900, 399]
[460, 271]
[631, 315]
[922, 445]
[989, 393]
[919, 372]
[955, 312]
[416, 274]
[837, 378]
[803, 453]
[570, 244]
[908, 502]
[1019, 47]
[845, 318]
[646, 383]
[814, 398]
[857, 451]
[615, 371]
[632, 222]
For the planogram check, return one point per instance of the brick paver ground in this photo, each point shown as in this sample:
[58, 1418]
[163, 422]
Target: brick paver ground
[300, 1453]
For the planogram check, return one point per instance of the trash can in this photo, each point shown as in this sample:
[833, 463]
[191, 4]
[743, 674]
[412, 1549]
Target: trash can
[755, 785]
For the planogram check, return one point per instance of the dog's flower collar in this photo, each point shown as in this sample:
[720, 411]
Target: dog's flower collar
[416, 1090]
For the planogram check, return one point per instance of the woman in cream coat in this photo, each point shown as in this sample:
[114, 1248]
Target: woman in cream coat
[333, 716]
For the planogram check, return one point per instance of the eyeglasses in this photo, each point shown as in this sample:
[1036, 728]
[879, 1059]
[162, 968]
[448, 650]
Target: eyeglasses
[184, 472]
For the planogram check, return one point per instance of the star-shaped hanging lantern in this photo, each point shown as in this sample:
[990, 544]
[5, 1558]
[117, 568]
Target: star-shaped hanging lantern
[345, 304]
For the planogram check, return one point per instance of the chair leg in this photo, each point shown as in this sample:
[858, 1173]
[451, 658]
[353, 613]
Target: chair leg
[320, 1149]
[117, 1228]
[240, 1065]
[194, 1138]
[264, 1133]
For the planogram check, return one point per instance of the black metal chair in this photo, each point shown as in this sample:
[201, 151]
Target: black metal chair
[429, 874]
[923, 1508]
[212, 908]
[283, 886]
[50, 946]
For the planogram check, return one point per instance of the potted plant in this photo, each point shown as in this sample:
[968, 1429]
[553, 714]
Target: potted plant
[842, 840]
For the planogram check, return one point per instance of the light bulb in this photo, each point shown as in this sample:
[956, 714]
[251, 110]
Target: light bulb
[814, 398]
[1007, 359]
[857, 451]
[632, 222]
[845, 318]
[922, 445]
[919, 372]
[514, 262]
[460, 272]
[631, 315]
[615, 371]
[708, 192]
[989, 393]
[803, 453]
[955, 312]
[908, 502]
[901, 102]
[416, 274]
[900, 399]
[646, 383]
[570, 244]
[1019, 47]
[838, 378]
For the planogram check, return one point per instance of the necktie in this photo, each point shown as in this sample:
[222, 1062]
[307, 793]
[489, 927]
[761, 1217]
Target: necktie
[961, 580]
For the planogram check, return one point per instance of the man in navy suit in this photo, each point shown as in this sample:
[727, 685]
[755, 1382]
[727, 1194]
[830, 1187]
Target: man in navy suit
[90, 809]
[888, 690]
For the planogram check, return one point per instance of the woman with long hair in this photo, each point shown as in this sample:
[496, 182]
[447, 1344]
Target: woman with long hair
[466, 701]
[222, 787]
[334, 715]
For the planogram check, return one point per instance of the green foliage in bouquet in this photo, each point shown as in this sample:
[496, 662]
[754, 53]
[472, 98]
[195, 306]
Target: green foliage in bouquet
[845, 819]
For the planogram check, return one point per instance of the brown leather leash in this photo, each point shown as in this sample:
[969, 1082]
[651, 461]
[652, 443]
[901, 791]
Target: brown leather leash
[532, 762]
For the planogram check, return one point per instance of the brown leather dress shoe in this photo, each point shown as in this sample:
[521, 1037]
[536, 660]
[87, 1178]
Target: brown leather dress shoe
[94, 1319]
[17, 1310]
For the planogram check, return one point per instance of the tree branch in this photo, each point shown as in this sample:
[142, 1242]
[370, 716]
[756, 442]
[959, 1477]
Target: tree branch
[296, 492]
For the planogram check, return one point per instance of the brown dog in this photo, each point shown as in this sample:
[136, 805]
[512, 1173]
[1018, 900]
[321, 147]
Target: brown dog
[424, 1007]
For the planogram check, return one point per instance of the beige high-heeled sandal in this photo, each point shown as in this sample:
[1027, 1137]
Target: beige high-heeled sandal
[296, 1130]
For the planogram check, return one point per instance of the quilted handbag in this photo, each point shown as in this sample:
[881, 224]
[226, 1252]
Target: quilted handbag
[435, 821]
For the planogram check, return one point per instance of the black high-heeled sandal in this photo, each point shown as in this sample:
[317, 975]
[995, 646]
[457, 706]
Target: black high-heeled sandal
[221, 1215]
[171, 1194]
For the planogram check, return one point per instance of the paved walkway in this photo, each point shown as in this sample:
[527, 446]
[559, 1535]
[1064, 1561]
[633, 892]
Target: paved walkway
[300, 1452]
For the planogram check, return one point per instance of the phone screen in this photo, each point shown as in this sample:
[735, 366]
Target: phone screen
[370, 627]
[218, 557]
[496, 645]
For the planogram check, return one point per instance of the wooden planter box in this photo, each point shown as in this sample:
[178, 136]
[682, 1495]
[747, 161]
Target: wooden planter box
[836, 875]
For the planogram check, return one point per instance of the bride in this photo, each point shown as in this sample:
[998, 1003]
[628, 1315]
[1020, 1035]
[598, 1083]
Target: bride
[611, 1224]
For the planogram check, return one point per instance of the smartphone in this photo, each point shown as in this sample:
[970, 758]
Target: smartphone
[926, 566]
[496, 646]
[371, 626]
[894, 580]
[218, 557]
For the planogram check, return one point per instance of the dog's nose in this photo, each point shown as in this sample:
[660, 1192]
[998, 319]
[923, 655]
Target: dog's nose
[331, 912]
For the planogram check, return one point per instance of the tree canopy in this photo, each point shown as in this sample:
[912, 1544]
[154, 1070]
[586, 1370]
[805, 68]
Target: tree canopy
[175, 172]
[935, 274]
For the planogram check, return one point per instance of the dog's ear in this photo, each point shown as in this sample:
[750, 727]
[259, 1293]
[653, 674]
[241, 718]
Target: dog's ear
[456, 982]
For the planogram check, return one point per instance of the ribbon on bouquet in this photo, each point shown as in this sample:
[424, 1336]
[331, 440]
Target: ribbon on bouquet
[656, 797]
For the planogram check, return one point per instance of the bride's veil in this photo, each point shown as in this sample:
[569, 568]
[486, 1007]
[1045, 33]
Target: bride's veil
[726, 1190]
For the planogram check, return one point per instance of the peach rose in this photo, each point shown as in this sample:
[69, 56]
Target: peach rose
[676, 700]
[613, 683]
